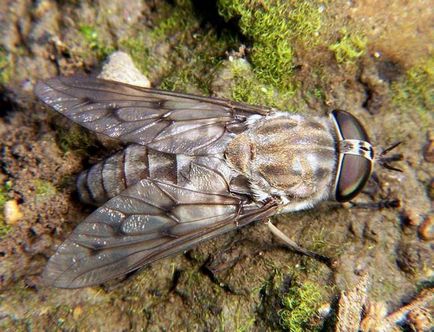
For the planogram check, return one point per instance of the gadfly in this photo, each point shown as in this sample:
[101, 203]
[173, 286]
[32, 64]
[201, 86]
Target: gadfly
[194, 167]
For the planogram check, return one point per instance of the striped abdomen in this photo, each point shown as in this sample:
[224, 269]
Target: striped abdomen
[111, 176]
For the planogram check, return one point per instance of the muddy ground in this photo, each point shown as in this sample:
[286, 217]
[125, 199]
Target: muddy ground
[372, 58]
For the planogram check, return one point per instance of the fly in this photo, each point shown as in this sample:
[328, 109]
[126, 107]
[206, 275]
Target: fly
[193, 168]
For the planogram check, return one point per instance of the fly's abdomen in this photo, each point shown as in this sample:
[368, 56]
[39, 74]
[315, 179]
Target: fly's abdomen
[111, 176]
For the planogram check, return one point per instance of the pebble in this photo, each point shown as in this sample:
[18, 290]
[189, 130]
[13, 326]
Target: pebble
[77, 312]
[120, 67]
[420, 319]
[413, 257]
[324, 310]
[12, 212]
[411, 217]
[431, 189]
[428, 151]
[426, 229]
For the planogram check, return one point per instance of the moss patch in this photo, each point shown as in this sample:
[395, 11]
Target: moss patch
[291, 304]
[246, 88]
[195, 53]
[415, 90]
[349, 47]
[275, 27]
[4, 229]
[139, 52]
[44, 189]
[178, 52]
[195, 75]
[74, 139]
[94, 42]
[300, 304]
[236, 80]
[5, 66]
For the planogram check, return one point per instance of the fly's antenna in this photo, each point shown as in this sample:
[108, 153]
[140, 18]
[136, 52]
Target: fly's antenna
[385, 160]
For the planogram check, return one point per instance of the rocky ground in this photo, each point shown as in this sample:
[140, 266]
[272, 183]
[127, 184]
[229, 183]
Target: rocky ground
[372, 57]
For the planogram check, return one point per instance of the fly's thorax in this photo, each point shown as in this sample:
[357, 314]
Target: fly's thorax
[285, 155]
[239, 153]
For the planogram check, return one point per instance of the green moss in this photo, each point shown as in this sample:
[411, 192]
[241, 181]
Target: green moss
[44, 189]
[94, 42]
[247, 326]
[139, 52]
[74, 139]
[349, 47]
[178, 53]
[321, 240]
[245, 87]
[275, 27]
[3, 196]
[196, 58]
[415, 90]
[4, 228]
[288, 303]
[179, 21]
[388, 287]
[194, 76]
[5, 66]
[300, 303]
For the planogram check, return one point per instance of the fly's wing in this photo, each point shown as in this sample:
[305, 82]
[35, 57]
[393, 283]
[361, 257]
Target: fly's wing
[148, 221]
[165, 121]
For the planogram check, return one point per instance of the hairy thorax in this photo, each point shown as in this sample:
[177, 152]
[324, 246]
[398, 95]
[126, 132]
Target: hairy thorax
[287, 156]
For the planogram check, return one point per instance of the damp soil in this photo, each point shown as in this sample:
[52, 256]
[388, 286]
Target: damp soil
[223, 284]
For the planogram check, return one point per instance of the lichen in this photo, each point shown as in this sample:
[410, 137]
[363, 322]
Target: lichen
[349, 47]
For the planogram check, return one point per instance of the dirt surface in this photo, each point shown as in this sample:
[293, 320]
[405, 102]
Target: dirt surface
[240, 281]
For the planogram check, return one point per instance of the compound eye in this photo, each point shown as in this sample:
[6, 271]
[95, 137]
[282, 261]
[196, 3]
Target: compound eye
[354, 173]
[349, 126]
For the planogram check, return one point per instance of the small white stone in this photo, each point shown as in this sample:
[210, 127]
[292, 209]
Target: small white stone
[324, 310]
[12, 212]
[120, 67]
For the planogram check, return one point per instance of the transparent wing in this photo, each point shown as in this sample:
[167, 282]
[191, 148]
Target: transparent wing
[146, 222]
[165, 121]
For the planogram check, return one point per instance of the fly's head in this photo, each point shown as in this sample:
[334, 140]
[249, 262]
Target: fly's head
[356, 156]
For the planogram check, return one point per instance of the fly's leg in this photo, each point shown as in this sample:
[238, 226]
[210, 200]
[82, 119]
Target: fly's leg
[382, 204]
[373, 190]
[385, 203]
[298, 249]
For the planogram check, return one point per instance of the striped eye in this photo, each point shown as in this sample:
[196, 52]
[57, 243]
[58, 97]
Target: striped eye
[355, 156]
[354, 173]
[350, 127]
